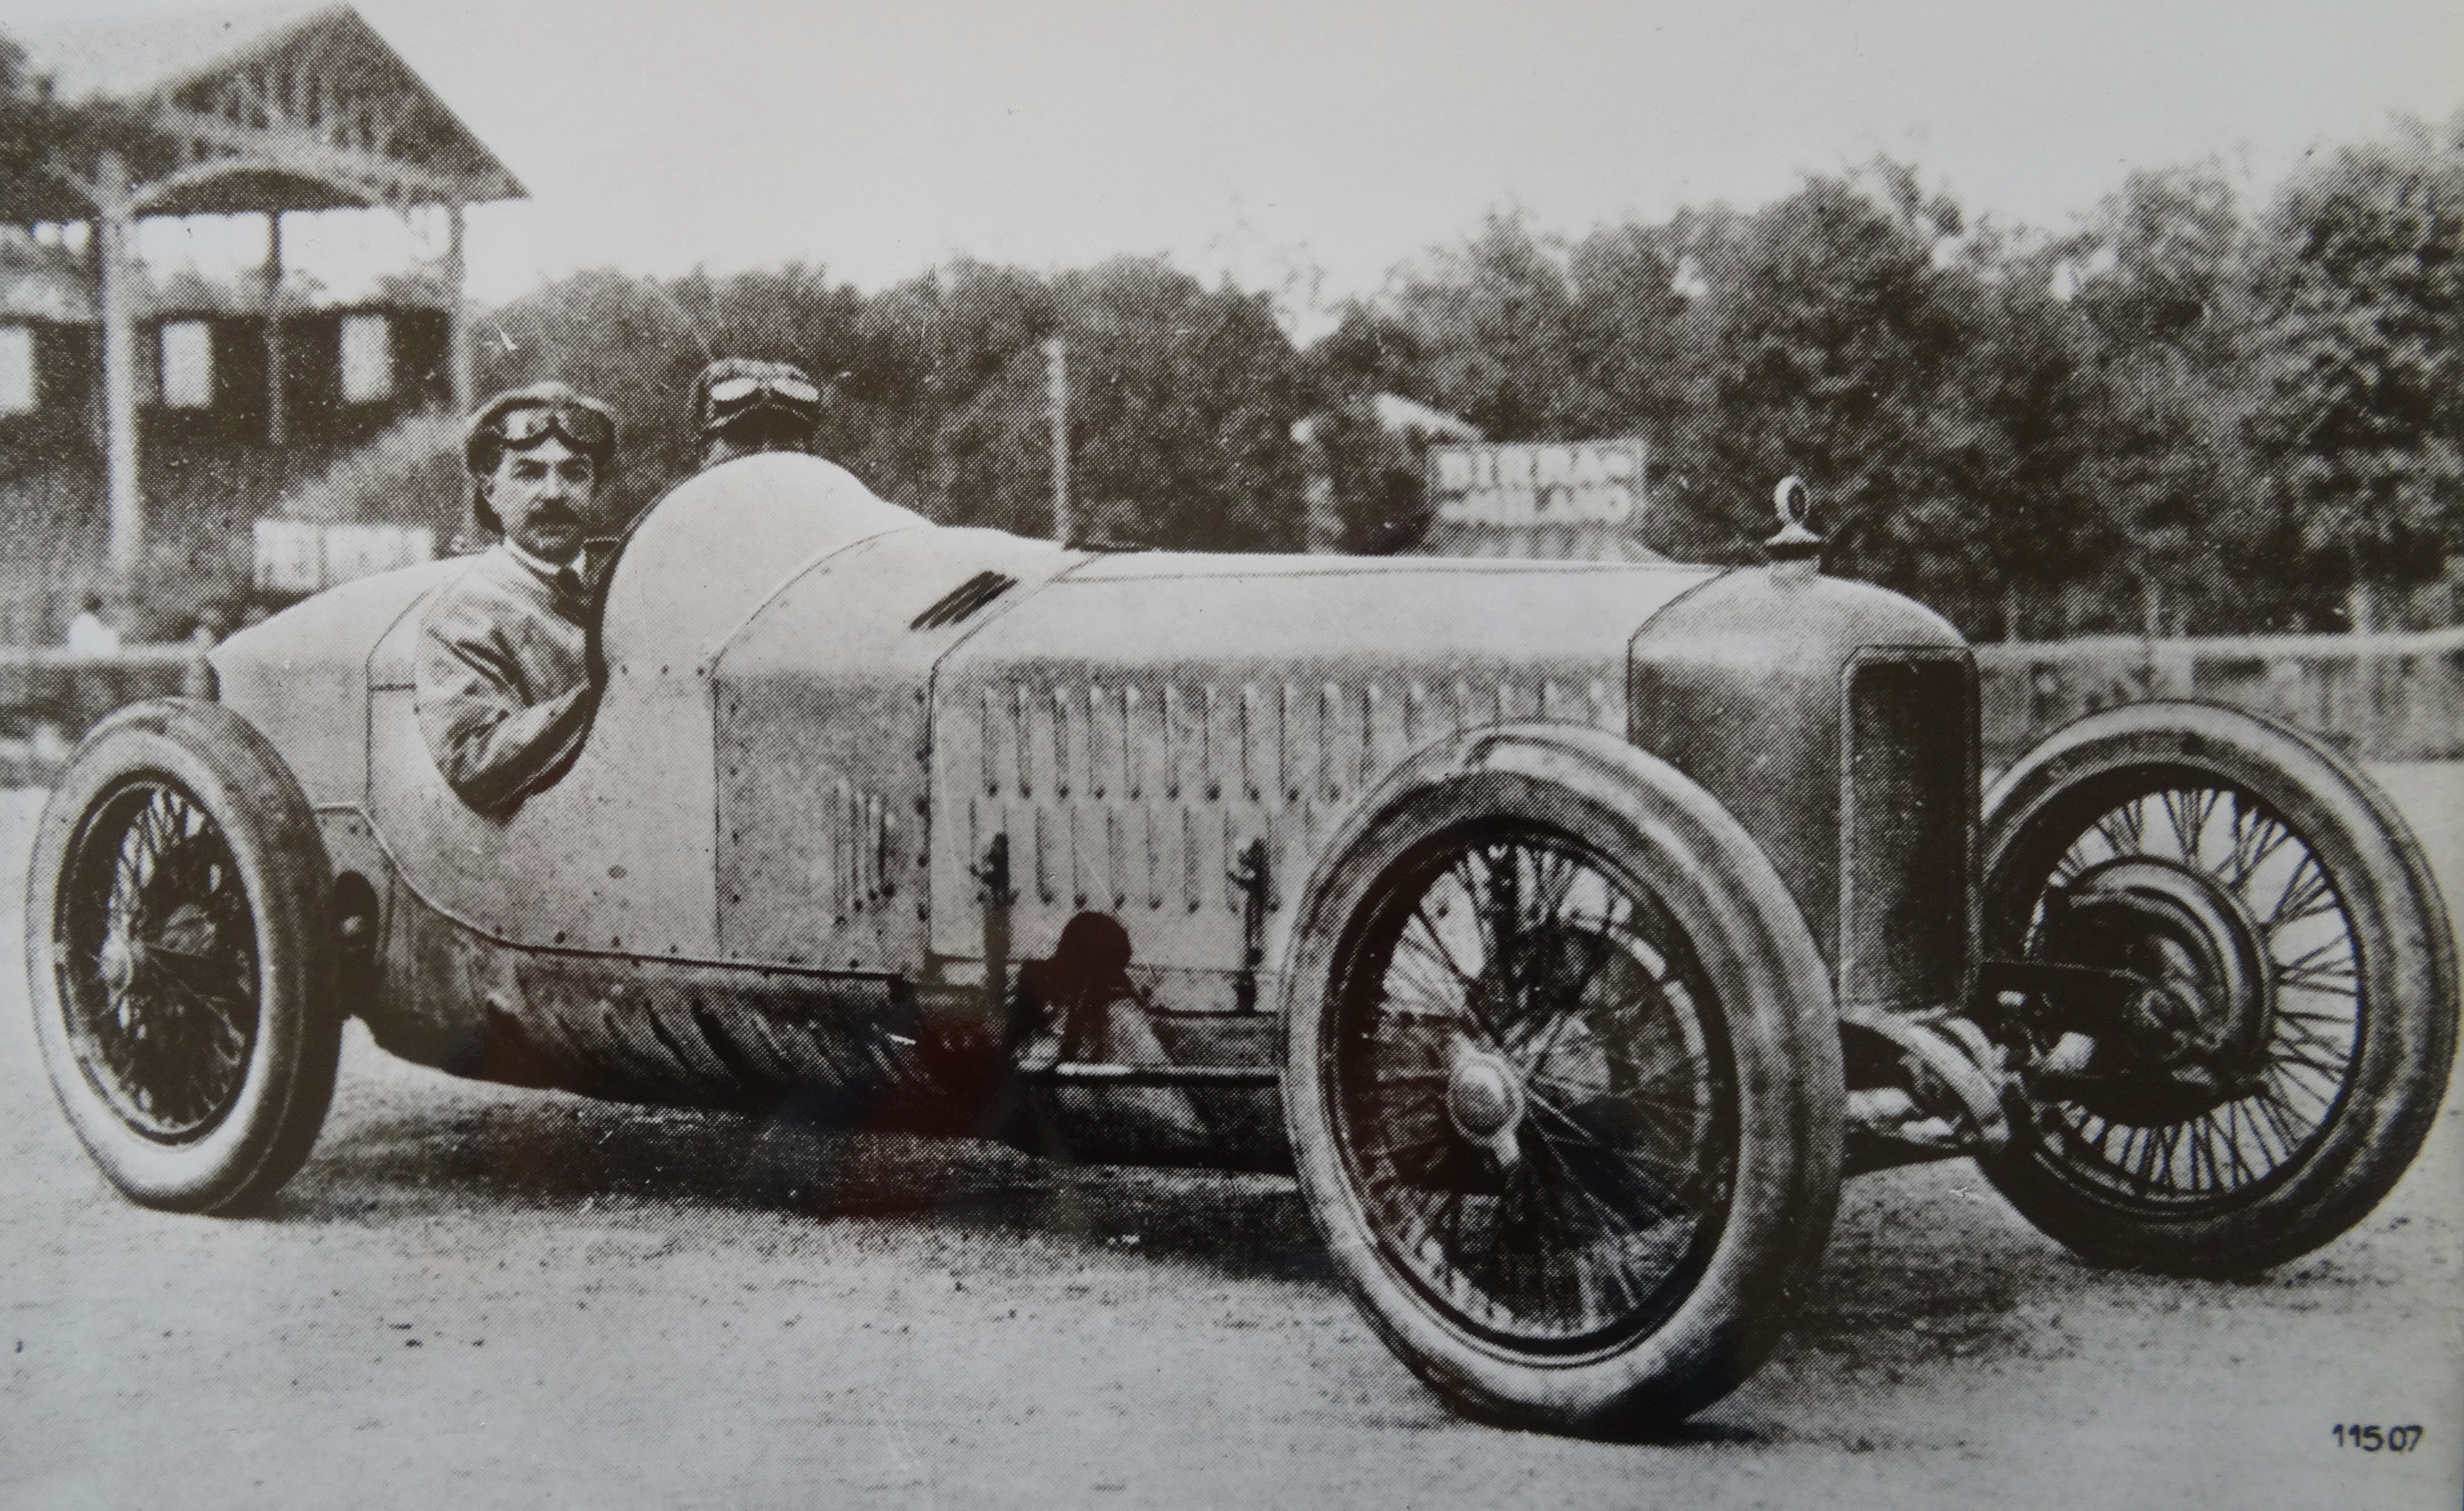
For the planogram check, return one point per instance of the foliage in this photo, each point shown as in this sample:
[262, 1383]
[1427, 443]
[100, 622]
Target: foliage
[626, 342]
[2362, 360]
[1831, 340]
[1376, 474]
[1823, 335]
[1496, 327]
[1182, 404]
[2178, 417]
[1183, 397]
[2161, 321]
[40, 135]
[942, 377]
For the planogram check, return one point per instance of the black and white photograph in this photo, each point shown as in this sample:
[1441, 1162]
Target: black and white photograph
[1103, 754]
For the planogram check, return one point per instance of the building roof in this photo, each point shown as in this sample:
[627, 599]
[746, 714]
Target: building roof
[258, 108]
[1397, 415]
[131, 57]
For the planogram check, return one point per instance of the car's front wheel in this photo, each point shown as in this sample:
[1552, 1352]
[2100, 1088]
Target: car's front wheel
[2288, 1047]
[180, 950]
[1563, 1082]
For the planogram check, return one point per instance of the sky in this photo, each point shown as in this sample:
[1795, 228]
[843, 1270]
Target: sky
[1312, 147]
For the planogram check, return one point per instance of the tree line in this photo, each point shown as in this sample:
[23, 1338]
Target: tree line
[2188, 414]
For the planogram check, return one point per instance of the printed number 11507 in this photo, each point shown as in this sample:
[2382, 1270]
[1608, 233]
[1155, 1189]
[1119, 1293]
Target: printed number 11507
[2373, 1438]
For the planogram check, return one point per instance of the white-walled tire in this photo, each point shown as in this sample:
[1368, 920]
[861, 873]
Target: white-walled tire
[180, 953]
[1562, 1077]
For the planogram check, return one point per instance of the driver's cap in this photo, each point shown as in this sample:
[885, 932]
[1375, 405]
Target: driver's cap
[522, 417]
[734, 388]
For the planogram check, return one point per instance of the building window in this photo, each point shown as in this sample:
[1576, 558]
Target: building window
[16, 369]
[188, 365]
[367, 359]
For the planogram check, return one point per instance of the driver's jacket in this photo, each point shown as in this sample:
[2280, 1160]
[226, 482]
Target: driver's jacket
[504, 693]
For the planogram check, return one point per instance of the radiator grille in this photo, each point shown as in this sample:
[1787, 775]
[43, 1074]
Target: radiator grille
[1910, 804]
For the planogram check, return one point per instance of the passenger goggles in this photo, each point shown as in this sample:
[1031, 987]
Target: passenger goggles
[732, 398]
[586, 430]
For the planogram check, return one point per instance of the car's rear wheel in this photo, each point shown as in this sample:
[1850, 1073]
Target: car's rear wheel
[1563, 1081]
[180, 950]
[2280, 1069]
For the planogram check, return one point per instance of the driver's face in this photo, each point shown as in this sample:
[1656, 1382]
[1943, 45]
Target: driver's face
[543, 495]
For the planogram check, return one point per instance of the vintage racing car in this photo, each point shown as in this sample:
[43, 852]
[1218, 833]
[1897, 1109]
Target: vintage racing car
[1570, 929]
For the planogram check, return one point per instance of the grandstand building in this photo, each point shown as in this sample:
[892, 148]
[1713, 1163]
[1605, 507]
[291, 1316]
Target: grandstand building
[154, 433]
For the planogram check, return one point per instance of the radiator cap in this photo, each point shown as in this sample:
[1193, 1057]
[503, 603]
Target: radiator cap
[1794, 543]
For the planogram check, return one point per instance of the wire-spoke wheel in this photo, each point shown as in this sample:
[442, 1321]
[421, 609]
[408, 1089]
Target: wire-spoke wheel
[181, 957]
[1563, 1080]
[2278, 1068]
[1531, 1102]
[159, 976]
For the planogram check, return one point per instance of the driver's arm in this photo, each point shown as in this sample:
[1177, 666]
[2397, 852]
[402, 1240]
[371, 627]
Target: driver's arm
[491, 741]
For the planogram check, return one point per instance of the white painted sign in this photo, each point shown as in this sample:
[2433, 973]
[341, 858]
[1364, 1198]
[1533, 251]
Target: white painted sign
[1524, 485]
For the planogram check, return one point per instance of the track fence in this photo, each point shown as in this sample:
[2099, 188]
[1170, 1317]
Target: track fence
[50, 695]
[2389, 697]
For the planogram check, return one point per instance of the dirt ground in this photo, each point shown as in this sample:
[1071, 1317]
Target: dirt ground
[476, 1297]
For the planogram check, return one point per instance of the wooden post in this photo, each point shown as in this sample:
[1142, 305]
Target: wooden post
[457, 319]
[1056, 389]
[459, 377]
[113, 223]
[1321, 513]
[277, 417]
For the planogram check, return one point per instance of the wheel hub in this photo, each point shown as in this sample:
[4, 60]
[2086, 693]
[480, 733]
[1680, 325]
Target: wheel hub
[2183, 1044]
[1484, 1097]
[117, 962]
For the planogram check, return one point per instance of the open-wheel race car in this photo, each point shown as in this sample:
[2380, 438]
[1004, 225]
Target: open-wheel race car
[1571, 929]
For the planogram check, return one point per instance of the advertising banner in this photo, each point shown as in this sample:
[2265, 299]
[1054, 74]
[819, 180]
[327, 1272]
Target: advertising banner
[1547, 499]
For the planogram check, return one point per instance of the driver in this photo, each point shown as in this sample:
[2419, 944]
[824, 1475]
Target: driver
[740, 405]
[504, 695]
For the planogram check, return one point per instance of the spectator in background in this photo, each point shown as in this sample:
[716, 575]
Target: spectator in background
[90, 634]
[213, 623]
[740, 405]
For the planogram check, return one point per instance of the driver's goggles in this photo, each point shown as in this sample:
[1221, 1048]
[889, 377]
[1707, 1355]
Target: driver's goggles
[585, 429]
[729, 397]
